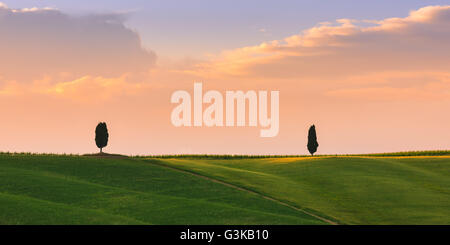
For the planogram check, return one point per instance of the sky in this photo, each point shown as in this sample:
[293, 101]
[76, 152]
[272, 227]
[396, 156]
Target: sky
[373, 76]
[207, 27]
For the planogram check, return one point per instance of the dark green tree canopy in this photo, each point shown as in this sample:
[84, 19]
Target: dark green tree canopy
[101, 135]
[312, 140]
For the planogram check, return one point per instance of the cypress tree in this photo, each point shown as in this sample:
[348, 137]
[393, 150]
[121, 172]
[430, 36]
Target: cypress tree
[312, 140]
[101, 135]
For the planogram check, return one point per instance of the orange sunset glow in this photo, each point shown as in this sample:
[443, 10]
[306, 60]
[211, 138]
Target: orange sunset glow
[368, 85]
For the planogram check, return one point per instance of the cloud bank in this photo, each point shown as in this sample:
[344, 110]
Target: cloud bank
[46, 42]
[418, 41]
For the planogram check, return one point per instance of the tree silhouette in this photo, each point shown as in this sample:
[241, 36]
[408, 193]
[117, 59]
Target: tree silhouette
[312, 140]
[101, 135]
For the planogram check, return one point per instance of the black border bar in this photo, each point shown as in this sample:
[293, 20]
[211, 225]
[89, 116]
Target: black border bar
[229, 234]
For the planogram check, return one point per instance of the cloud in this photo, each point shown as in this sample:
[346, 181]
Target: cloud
[46, 42]
[87, 90]
[395, 86]
[345, 47]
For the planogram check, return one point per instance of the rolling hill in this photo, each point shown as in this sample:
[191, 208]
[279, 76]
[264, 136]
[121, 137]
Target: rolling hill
[57, 189]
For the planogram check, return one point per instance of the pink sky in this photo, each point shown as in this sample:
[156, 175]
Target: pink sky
[367, 85]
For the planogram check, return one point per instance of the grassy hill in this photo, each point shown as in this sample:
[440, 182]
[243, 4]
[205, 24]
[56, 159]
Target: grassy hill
[46, 189]
[55, 189]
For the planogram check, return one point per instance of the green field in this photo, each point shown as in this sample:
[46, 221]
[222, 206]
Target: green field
[56, 189]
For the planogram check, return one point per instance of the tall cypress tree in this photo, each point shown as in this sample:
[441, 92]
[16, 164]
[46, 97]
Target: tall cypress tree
[101, 135]
[312, 140]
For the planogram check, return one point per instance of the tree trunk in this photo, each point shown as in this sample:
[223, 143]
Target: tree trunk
[101, 150]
